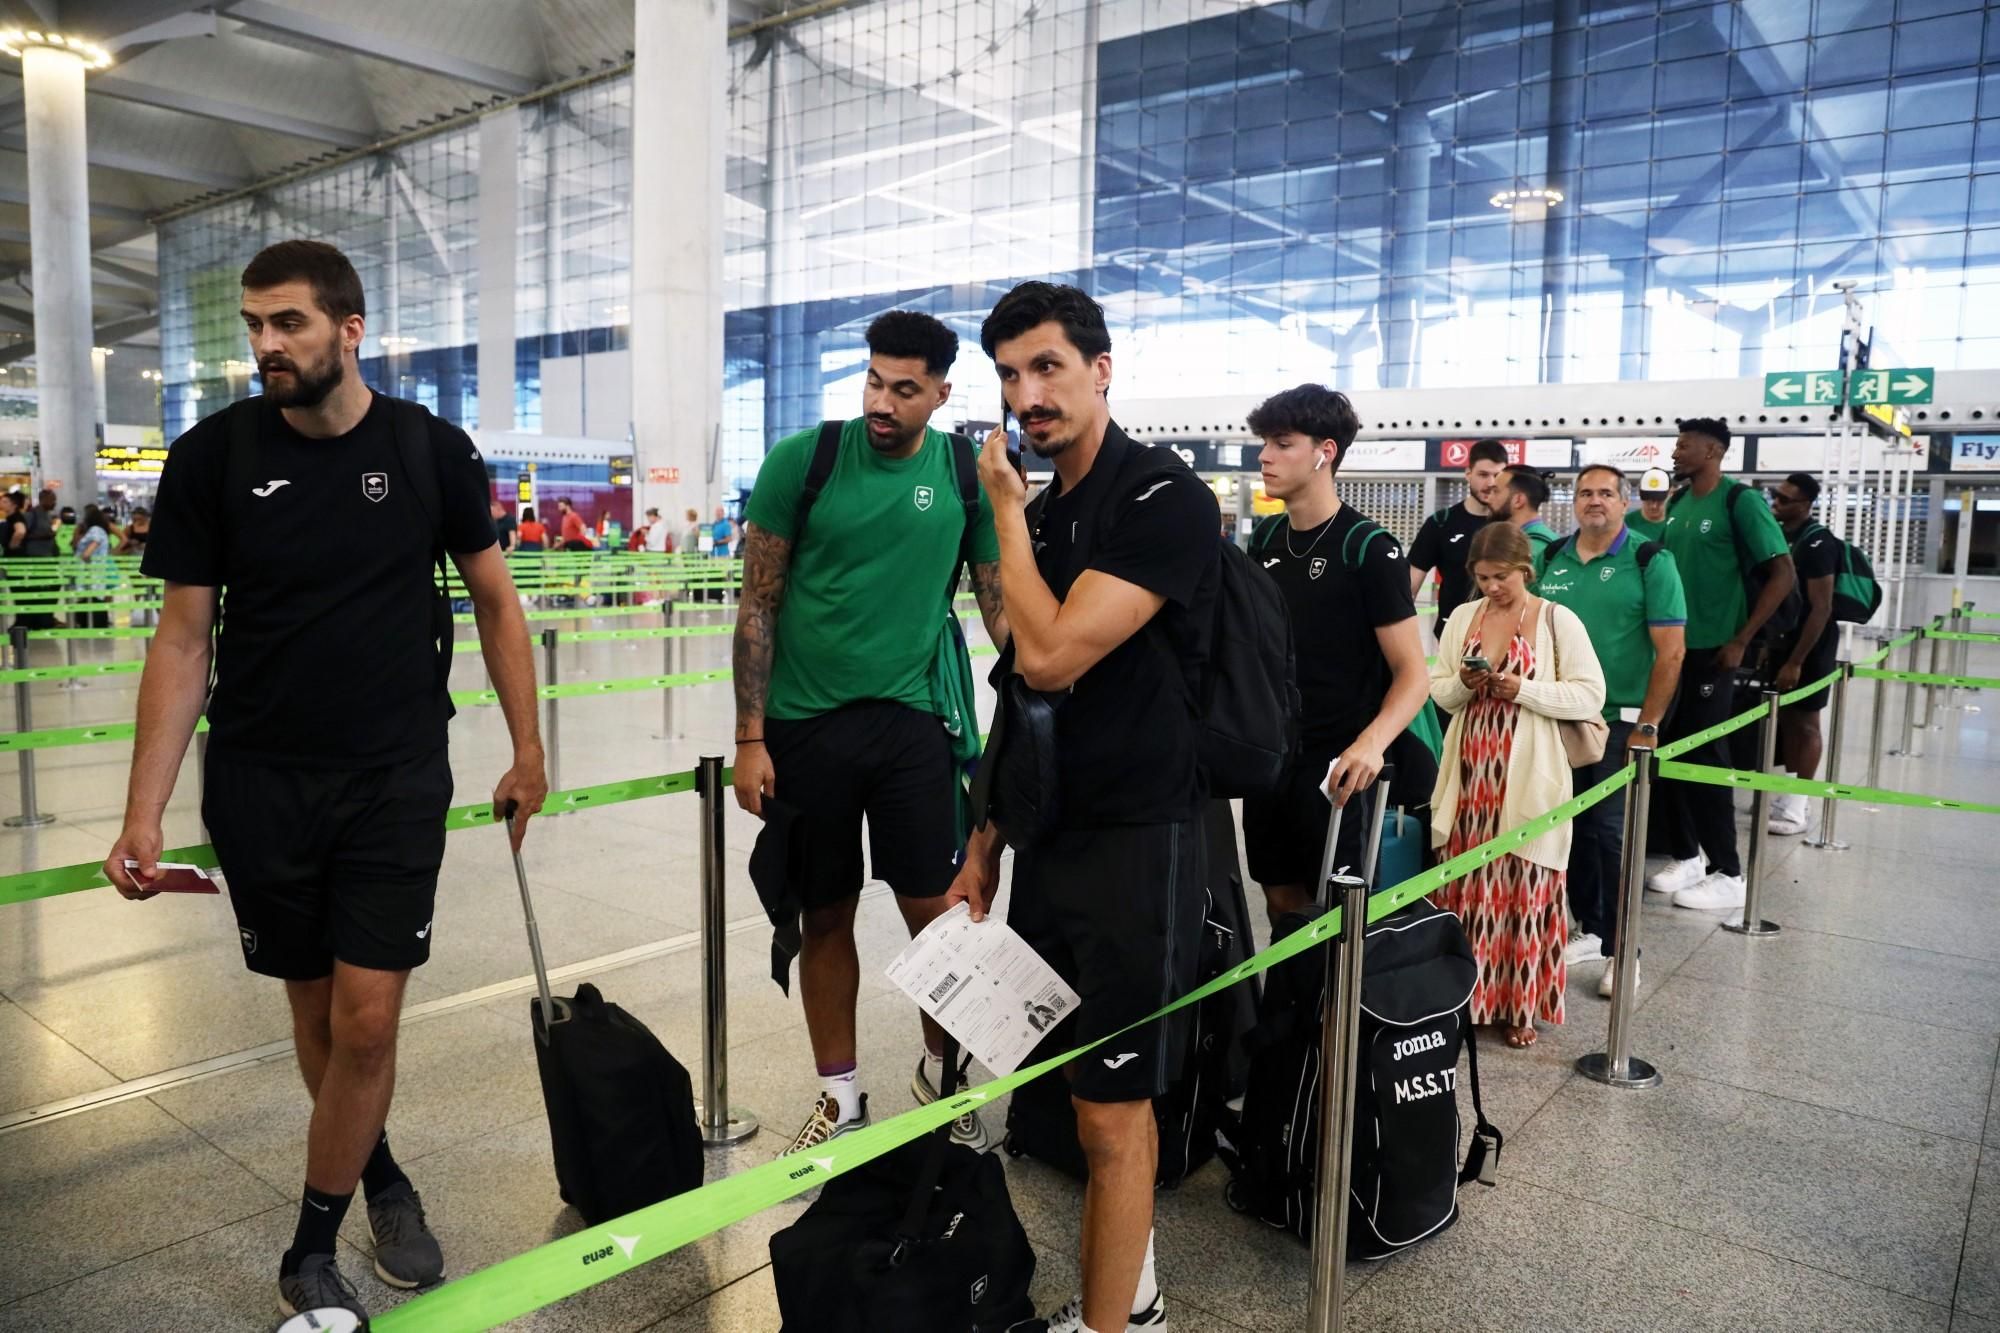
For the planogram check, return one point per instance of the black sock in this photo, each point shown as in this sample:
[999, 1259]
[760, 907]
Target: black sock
[320, 1216]
[381, 1171]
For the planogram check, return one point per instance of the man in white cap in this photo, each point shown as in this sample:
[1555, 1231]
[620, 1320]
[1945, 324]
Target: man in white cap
[1649, 520]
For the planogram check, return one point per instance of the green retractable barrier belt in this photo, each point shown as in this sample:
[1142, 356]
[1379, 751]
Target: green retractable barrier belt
[552, 1272]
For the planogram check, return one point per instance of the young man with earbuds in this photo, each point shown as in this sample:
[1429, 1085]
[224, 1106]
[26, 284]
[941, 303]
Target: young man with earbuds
[1360, 658]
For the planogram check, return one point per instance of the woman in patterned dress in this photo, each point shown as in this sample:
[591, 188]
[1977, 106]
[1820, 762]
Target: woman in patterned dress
[1509, 665]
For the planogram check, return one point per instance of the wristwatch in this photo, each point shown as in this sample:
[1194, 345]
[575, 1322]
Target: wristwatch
[1645, 729]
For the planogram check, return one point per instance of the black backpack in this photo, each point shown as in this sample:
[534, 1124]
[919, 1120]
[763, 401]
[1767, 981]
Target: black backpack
[1041, 1120]
[1403, 1185]
[922, 1237]
[1792, 611]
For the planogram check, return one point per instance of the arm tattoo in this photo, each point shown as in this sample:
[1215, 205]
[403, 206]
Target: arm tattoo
[767, 561]
[986, 589]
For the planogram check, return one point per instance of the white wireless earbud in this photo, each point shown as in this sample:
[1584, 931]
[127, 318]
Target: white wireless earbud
[1319, 462]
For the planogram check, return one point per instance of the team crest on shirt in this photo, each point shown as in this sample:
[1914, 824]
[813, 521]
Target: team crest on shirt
[923, 498]
[1604, 575]
[1705, 524]
[1317, 567]
[375, 485]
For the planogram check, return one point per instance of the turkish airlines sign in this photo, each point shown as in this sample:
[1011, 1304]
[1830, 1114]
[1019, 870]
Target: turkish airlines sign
[1452, 454]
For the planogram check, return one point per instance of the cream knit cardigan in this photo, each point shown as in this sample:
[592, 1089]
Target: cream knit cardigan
[1538, 772]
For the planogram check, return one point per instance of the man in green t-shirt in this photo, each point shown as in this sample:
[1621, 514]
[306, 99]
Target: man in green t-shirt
[1649, 520]
[1627, 592]
[1719, 532]
[1522, 496]
[837, 633]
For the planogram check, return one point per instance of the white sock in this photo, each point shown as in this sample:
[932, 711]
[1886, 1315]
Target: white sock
[844, 1089]
[1149, 1285]
[934, 1068]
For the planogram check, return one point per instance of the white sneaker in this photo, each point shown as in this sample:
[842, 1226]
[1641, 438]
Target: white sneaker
[1677, 875]
[1788, 816]
[1715, 893]
[1607, 985]
[824, 1123]
[1069, 1319]
[1584, 949]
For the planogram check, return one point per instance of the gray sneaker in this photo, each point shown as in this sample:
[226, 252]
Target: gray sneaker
[318, 1285]
[968, 1129]
[406, 1253]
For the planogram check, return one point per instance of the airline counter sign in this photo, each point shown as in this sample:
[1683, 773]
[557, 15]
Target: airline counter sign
[1452, 454]
[1975, 453]
[1384, 456]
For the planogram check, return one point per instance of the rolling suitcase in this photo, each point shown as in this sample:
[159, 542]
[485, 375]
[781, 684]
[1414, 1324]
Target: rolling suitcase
[621, 1108]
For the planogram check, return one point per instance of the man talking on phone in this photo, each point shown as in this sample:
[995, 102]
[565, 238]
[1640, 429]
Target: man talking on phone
[305, 518]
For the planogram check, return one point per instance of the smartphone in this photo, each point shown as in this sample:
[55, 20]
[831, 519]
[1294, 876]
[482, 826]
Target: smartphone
[1476, 663]
[175, 878]
[1012, 426]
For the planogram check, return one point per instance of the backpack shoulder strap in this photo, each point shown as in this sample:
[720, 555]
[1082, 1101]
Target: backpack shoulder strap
[1367, 530]
[965, 470]
[826, 452]
[1485, 1137]
[1644, 555]
[412, 428]
[1265, 532]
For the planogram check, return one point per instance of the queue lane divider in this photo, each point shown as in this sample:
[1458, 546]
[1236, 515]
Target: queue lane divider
[562, 1268]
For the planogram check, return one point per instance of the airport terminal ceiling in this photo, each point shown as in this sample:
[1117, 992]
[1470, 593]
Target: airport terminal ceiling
[1387, 194]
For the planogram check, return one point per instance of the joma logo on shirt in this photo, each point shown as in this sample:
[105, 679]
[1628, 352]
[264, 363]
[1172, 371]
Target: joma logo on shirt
[923, 497]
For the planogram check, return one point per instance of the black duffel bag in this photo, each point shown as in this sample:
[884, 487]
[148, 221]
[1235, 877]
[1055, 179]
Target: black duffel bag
[922, 1237]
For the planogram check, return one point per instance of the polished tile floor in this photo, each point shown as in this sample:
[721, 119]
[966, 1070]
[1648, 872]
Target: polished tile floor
[1824, 1152]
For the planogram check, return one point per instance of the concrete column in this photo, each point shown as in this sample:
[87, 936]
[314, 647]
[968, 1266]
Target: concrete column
[1408, 249]
[1559, 228]
[99, 391]
[680, 118]
[499, 227]
[59, 238]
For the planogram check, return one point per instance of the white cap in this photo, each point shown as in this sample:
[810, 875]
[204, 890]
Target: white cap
[1655, 482]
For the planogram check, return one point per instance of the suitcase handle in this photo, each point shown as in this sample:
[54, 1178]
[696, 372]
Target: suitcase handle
[534, 931]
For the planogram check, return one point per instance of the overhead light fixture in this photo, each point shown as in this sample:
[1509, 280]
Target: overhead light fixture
[102, 351]
[1530, 204]
[13, 41]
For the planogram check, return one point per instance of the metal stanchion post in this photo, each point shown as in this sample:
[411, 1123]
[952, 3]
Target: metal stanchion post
[1340, 1034]
[670, 657]
[1875, 712]
[1750, 923]
[1910, 694]
[24, 720]
[551, 720]
[1829, 807]
[721, 1123]
[1615, 1065]
[1930, 722]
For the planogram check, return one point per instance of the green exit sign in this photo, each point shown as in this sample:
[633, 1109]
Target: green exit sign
[1802, 388]
[1910, 385]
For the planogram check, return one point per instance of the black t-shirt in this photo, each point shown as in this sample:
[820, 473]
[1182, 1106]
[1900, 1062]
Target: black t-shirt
[1125, 736]
[8, 527]
[1815, 555]
[1441, 544]
[326, 657]
[1348, 580]
[505, 529]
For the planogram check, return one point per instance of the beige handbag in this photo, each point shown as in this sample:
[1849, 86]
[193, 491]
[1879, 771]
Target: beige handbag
[1583, 739]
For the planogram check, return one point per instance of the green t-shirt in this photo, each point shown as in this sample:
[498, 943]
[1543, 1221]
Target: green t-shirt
[1541, 537]
[1699, 533]
[1619, 604]
[867, 585]
[1645, 527]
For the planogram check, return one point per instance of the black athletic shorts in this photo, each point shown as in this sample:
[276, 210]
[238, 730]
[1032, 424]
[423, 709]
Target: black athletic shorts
[1118, 912]
[329, 864]
[1825, 655]
[1284, 833]
[886, 761]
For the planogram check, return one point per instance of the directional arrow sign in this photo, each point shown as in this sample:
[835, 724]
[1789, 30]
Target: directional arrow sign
[1802, 388]
[1911, 385]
